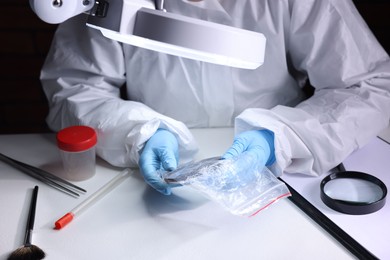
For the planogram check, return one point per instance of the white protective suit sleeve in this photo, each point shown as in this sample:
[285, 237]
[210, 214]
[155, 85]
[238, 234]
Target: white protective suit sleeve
[82, 77]
[329, 41]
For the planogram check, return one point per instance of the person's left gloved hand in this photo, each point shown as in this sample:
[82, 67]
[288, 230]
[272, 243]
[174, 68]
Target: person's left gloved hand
[160, 153]
[259, 143]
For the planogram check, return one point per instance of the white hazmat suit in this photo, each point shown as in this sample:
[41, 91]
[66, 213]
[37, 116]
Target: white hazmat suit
[323, 41]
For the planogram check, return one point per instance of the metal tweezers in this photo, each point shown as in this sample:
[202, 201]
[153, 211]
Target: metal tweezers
[44, 176]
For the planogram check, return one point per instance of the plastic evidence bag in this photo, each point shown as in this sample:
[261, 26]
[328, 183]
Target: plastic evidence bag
[237, 184]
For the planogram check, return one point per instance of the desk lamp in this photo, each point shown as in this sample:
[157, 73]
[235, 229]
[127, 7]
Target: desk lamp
[146, 24]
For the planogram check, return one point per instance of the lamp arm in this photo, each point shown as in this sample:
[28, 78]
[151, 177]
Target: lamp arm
[58, 11]
[159, 5]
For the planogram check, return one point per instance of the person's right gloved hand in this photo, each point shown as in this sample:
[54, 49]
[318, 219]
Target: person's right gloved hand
[161, 153]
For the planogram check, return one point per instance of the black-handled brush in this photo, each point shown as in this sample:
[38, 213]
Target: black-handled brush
[28, 250]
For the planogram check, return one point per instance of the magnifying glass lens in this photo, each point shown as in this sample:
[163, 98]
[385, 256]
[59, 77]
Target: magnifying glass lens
[353, 190]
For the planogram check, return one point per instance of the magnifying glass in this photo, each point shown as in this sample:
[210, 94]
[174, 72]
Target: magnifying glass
[352, 192]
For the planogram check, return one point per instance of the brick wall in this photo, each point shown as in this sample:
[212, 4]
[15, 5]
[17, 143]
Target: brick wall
[25, 41]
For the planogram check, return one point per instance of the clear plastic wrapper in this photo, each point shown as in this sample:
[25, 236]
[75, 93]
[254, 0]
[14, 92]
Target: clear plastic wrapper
[237, 184]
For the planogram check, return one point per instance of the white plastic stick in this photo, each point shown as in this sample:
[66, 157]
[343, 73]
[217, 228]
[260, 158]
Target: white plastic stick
[68, 217]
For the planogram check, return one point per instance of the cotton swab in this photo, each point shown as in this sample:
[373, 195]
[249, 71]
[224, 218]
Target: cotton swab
[68, 217]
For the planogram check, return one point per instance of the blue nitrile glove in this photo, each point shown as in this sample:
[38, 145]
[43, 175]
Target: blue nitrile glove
[257, 142]
[161, 152]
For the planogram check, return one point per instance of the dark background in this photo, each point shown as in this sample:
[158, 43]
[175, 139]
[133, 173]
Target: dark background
[25, 41]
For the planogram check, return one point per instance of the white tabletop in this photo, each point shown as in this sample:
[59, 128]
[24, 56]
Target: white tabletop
[135, 222]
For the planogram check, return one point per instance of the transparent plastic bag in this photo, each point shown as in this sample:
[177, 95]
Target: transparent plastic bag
[237, 184]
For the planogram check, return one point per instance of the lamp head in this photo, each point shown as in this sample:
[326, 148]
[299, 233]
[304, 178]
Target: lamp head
[137, 22]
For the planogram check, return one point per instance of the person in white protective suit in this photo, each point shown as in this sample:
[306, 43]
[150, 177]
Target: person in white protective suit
[324, 42]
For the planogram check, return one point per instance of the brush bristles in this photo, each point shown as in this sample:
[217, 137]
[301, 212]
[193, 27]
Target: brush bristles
[30, 252]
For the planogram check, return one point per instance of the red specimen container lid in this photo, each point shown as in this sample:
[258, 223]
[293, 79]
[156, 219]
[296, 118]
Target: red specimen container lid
[76, 138]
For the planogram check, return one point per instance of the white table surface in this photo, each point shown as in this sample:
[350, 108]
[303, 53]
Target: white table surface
[135, 222]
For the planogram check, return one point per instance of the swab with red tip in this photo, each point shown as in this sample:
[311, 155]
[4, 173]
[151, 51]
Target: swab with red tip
[68, 217]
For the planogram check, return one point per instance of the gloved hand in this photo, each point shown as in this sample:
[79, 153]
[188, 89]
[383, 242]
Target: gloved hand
[259, 143]
[240, 166]
[161, 152]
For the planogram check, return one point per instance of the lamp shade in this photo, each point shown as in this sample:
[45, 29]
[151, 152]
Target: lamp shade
[186, 37]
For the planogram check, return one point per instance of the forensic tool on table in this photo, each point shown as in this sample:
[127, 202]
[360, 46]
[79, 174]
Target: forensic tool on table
[328, 225]
[68, 217]
[44, 176]
[28, 250]
[146, 24]
[352, 192]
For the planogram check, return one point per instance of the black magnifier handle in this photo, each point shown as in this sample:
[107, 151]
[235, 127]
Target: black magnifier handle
[340, 167]
[328, 225]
